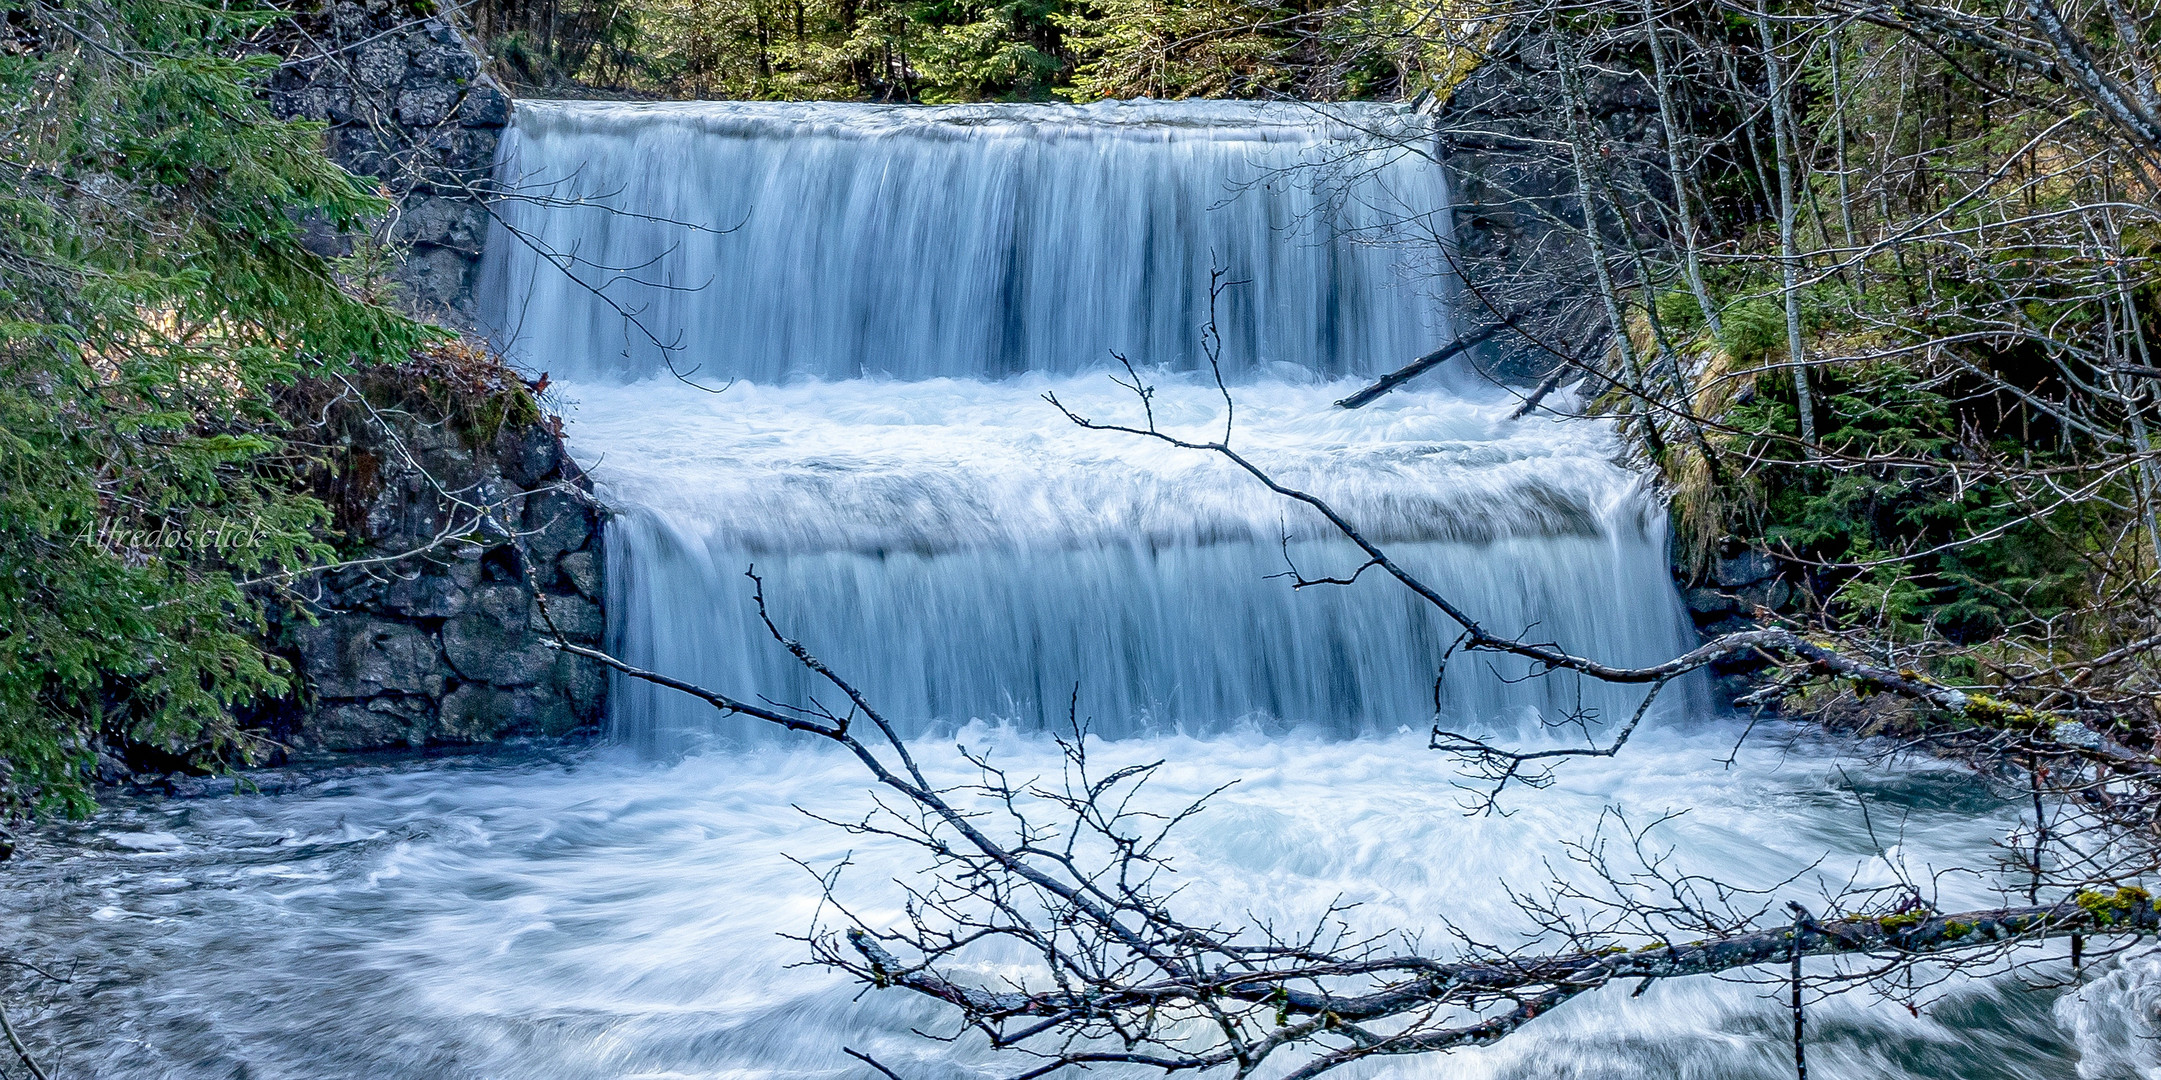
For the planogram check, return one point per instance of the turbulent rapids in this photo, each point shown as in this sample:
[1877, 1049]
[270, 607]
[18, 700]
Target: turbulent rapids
[819, 339]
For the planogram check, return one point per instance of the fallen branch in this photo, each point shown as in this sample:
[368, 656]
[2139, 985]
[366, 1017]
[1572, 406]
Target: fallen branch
[2127, 911]
[1424, 364]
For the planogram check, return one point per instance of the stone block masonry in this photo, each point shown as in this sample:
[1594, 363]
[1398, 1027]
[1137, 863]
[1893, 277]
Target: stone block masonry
[475, 551]
[474, 540]
[408, 105]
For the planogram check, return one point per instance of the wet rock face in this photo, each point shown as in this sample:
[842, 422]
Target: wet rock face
[476, 549]
[1503, 137]
[1521, 242]
[446, 644]
[407, 104]
[1741, 589]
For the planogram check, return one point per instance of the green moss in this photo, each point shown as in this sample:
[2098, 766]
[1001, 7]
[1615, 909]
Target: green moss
[462, 386]
[2106, 908]
[1990, 710]
[1903, 921]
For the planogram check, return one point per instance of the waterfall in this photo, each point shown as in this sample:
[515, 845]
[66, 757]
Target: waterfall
[884, 298]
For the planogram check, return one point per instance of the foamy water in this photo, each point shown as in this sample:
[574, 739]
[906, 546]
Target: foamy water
[893, 294]
[603, 917]
[964, 551]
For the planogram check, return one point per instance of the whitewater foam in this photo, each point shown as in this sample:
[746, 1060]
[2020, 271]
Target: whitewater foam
[603, 918]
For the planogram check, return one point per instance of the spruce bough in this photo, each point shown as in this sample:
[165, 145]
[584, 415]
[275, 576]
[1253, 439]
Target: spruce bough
[154, 293]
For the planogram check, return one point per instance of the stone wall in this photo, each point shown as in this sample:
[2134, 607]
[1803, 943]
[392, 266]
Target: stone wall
[474, 527]
[407, 104]
[479, 542]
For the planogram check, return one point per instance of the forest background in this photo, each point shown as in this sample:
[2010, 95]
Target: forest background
[945, 51]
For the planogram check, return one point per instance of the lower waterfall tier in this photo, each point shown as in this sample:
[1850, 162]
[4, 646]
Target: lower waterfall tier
[964, 552]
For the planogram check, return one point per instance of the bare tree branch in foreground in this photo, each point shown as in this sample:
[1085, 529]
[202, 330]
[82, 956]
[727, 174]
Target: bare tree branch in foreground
[15, 1043]
[1066, 881]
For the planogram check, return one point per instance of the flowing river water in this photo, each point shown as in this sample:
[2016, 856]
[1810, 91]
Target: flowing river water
[847, 322]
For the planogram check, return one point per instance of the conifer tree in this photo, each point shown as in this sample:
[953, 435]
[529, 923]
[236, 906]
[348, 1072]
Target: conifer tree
[154, 293]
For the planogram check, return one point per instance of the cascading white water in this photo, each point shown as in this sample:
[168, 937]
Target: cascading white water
[766, 241]
[607, 918]
[896, 292]
[962, 551]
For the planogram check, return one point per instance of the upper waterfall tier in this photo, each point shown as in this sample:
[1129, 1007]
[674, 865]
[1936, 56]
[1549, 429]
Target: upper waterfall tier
[762, 241]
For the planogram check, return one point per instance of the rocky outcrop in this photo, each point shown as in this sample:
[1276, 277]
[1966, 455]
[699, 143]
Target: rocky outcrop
[1522, 243]
[1737, 586]
[1742, 588]
[473, 536]
[477, 542]
[407, 104]
[1503, 136]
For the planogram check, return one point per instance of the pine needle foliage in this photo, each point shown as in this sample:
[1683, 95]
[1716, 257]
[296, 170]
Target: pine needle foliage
[154, 291]
[945, 51]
